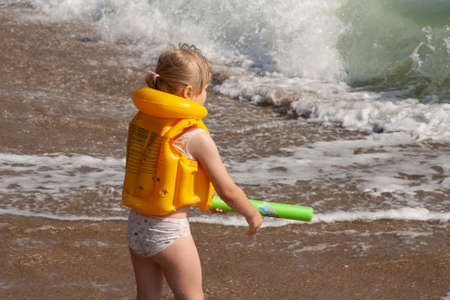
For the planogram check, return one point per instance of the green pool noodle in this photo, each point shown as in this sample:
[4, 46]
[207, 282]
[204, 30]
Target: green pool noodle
[271, 209]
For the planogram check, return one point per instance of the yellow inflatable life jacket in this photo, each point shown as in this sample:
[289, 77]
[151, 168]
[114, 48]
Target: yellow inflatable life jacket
[158, 177]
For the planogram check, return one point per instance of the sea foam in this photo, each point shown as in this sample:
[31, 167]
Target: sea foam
[313, 51]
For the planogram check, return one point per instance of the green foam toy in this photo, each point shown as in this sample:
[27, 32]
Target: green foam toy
[271, 209]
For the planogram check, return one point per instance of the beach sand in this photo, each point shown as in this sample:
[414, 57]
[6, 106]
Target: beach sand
[54, 259]
[47, 259]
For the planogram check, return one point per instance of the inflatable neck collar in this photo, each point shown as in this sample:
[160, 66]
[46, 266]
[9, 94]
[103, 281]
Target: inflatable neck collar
[167, 106]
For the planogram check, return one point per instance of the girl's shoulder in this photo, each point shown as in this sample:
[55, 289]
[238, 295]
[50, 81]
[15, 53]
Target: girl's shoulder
[187, 136]
[183, 141]
[191, 132]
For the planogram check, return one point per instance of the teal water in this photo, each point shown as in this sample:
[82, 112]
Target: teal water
[402, 44]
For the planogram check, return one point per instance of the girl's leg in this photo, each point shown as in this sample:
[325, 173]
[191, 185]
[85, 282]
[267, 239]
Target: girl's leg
[181, 266]
[149, 277]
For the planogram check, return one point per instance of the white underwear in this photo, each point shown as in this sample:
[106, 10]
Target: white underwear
[149, 235]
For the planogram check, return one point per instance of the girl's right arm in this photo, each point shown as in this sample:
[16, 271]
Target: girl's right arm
[203, 148]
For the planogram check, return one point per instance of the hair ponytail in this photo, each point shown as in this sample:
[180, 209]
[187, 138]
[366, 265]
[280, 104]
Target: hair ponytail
[178, 68]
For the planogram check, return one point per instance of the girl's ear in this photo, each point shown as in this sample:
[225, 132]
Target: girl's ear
[187, 92]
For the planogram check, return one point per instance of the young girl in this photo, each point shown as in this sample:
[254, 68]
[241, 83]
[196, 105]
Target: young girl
[161, 245]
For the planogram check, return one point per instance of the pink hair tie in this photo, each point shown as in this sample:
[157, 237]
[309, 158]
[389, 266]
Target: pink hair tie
[155, 76]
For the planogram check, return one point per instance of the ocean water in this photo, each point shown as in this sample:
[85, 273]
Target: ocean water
[380, 65]
[366, 86]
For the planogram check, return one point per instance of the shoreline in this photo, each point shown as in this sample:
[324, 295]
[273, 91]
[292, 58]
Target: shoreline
[64, 63]
[89, 260]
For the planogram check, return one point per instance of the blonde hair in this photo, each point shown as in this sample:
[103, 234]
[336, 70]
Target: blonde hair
[180, 67]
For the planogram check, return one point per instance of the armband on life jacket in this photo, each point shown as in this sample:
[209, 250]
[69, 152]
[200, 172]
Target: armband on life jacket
[159, 178]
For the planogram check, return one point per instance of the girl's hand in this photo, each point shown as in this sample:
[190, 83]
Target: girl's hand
[254, 224]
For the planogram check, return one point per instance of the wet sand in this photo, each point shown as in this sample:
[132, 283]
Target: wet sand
[47, 259]
[52, 259]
